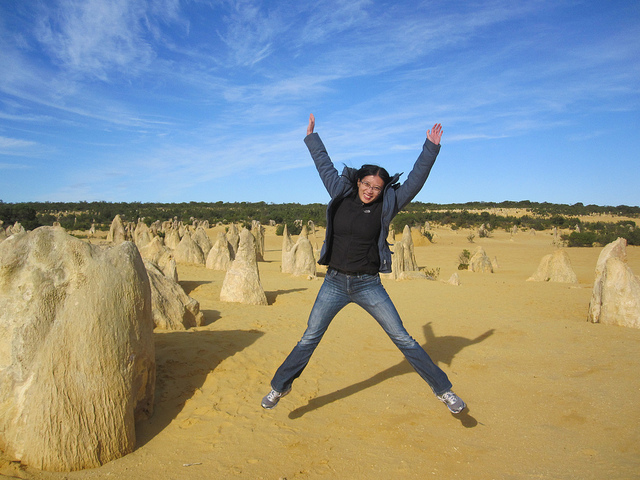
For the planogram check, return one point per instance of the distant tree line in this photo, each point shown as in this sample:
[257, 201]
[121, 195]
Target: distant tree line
[601, 233]
[543, 216]
[541, 209]
[81, 215]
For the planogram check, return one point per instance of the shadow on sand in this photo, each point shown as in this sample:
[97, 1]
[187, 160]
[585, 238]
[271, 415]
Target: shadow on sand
[210, 316]
[272, 296]
[188, 286]
[183, 362]
[440, 349]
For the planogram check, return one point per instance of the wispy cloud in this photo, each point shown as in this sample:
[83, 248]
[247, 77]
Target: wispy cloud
[13, 166]
[249, 32]
[7, 143]
[327, 18]
[15, 147]
[93, 38]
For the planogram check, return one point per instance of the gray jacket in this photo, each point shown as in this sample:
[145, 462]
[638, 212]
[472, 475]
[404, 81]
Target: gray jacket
[395, 195]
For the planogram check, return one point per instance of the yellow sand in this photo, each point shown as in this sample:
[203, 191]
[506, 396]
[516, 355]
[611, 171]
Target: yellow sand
[550, 396]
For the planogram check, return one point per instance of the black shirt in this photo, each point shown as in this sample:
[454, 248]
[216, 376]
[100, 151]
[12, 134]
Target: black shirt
[356, 229]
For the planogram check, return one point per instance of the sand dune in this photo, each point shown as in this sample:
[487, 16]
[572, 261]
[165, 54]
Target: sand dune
[550, 396]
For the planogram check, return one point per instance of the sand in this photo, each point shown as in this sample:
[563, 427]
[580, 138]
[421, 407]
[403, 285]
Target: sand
[550, 396]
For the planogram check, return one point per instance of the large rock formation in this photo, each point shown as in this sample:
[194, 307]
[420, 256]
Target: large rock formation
[258, 232]
[166, 226]
[182, 230]
[233, 237]
[288, 258]
[304, 262]
[117, 232]
[615, 298]
[555, 267]
[156, 252]
[220, 255]
[16, 229]
[142, 234]
[616, 249]
[409, 261]
[130, 229]
[172, 308]
[188, 251]
[155, 227]
[172, 238]
[403, 261]
[397, 260]
[480, 262]
[242, 282]
[312, 234]
[77, 360]
[202, 239]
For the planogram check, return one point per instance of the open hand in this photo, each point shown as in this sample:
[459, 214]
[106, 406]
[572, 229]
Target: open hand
[435, 134]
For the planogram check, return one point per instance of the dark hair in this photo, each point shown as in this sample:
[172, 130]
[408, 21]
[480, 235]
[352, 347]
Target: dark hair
[375, 170]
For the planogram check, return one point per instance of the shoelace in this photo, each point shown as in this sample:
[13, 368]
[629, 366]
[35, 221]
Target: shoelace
[273, 395]
[449, 397]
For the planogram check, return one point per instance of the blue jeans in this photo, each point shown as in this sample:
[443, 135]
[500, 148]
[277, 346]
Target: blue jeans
[337, 291]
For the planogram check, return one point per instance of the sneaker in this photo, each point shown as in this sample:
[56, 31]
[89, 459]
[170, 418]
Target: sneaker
[272, 398]
[453, 402]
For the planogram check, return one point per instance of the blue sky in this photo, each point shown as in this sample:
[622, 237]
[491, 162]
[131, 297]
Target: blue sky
[208, 100]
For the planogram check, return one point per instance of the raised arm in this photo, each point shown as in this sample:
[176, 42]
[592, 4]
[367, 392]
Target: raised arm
[333, 181]
[421, 169]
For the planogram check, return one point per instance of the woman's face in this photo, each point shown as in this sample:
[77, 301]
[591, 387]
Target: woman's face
[370, 188]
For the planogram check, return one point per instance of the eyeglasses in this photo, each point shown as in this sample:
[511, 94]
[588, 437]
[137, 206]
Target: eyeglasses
[368, 186]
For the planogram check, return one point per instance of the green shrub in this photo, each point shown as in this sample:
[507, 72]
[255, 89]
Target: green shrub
[292, 229]
[432, 272]
[603, 237]
[463, 259]
[585, 239]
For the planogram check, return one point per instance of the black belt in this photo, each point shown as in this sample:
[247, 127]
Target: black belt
[351, 274]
